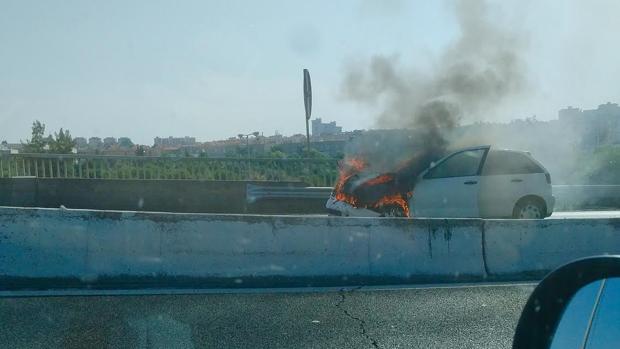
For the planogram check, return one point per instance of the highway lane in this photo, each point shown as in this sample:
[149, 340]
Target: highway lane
[482, 316]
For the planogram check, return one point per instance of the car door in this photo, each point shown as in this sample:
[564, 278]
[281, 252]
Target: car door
[451, 188]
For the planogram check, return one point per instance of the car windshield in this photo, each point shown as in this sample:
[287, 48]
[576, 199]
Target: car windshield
[355, 173]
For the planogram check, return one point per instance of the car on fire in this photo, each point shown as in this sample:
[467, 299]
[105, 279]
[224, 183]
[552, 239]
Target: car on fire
[472, 182]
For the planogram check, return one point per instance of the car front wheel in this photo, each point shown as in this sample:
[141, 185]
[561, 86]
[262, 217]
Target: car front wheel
[529, 209]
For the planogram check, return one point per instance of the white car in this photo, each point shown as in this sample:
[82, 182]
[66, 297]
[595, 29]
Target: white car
[484, 182]
[476, 182]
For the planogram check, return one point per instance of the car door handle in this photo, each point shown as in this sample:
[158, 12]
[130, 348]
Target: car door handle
[470, 182]
[516, 180]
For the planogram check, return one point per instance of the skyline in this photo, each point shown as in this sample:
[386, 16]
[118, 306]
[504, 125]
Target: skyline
[212, 70]
[197, 140]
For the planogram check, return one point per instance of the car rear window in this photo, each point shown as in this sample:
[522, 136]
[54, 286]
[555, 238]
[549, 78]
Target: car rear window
[508, 162]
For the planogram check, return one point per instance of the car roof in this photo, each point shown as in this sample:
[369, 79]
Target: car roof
[477, 147]
[525, 152]
[472, 148]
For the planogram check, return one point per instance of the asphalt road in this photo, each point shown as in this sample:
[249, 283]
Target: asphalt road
[444, 317]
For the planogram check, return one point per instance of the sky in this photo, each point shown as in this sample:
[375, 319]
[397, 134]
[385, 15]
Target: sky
[214, 69]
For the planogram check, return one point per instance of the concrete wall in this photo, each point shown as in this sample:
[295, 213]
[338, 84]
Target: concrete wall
[141, 195]
[528, 247]
[51, 247]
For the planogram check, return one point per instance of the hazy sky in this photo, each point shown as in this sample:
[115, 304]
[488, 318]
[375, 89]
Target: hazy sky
[213, 69]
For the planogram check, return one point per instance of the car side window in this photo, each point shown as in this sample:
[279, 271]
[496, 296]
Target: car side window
[507, 162]
[463, 164]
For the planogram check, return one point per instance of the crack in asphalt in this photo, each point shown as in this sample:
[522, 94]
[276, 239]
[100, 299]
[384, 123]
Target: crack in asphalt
[362, 323]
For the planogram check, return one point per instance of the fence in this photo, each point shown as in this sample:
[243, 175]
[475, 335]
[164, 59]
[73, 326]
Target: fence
[315, 172]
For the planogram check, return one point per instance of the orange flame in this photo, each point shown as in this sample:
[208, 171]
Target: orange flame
[380, 179]
[395, 199]
[354, 166]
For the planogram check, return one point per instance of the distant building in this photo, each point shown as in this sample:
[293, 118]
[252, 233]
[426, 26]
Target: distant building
[95, 142]
[330, 148]
[320, 128]
[596, 127]
[109, 142]
[4, 148]
[15, 148]
[174, 141]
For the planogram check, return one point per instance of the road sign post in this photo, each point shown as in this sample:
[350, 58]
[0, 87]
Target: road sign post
[307, 105]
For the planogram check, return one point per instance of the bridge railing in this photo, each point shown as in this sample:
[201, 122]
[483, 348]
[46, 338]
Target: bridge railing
[315, 172]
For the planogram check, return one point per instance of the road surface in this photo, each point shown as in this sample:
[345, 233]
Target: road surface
[423, 317]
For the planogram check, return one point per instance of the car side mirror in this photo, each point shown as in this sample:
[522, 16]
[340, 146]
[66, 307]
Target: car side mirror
[592, 317]
[575, 306]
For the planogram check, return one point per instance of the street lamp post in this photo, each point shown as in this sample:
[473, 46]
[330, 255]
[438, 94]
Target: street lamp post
[247, 140]
[247, 146]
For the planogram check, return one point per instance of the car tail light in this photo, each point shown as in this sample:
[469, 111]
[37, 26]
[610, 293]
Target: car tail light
[548, 176]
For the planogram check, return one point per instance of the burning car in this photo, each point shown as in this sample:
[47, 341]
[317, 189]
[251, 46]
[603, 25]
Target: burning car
[473, 182]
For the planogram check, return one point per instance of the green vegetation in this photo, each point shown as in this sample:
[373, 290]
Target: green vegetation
[60, 143]
[51, 157]
[124, 142]
[315, 172]
[599, 167]
[140, 150]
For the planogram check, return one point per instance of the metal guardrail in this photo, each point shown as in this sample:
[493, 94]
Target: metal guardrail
[567, 196]
[587, 196]
[255, 193]
[316, 172]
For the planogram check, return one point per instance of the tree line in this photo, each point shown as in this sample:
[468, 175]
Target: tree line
[60, 142]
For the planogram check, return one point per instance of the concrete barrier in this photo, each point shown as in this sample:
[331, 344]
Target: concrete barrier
[51, 248]
[111, 247]
[522, 249]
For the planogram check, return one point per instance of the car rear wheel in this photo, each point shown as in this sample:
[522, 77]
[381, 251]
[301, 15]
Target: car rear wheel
[529, 209]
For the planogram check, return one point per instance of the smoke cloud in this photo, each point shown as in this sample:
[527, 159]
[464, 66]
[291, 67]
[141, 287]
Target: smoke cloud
[482, 69]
